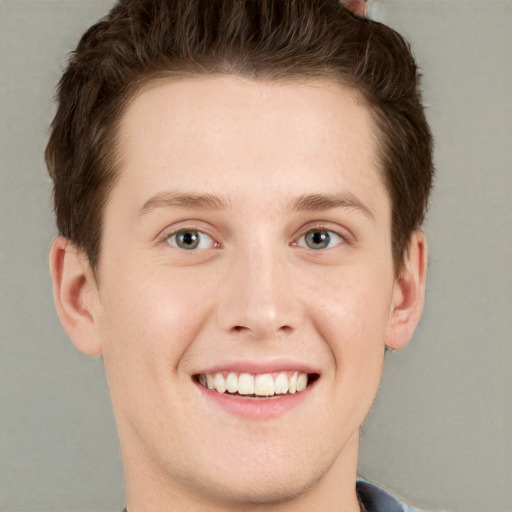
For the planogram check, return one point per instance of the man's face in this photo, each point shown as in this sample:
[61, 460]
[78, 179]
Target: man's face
[248, 238]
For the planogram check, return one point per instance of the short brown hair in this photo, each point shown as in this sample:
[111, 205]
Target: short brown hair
[140, 40]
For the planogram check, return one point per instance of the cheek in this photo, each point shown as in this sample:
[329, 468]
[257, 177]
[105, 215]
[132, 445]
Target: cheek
[152, 317]
[149, 322]
[354, 310]
[352, 320]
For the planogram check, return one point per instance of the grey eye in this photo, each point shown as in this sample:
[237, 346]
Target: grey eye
[190, 239]
[320, 239]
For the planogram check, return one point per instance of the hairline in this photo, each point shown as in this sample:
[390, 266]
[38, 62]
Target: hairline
[112, 157]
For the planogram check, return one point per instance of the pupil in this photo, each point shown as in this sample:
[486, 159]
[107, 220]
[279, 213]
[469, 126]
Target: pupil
[188, 239]
[318, 239]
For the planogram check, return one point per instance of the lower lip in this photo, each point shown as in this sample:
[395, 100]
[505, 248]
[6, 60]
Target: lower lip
[256, 409]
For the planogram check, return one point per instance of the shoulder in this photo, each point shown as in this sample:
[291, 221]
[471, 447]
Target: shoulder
[376, 499]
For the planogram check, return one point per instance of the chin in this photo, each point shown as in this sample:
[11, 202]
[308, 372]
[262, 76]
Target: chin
[253, 483]
[263, 491]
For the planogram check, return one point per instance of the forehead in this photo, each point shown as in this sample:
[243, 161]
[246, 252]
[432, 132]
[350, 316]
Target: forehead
[227, 134]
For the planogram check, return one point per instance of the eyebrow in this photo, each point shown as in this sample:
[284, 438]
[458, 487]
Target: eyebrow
[317, 202]
[177, 199]
[304, 203]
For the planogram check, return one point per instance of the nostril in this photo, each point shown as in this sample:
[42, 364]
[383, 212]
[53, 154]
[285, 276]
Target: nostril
[283, 329]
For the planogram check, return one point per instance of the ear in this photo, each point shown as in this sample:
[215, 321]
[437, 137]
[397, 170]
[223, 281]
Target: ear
[408, 293]
[357, 7]
[75, 293]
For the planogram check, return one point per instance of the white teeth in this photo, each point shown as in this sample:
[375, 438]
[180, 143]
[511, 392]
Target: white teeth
[246, 384]
[261, 384]
[264, 385]
[302, 381]
[219, 382]
[281, 384]
[292, 384]
[232, 382]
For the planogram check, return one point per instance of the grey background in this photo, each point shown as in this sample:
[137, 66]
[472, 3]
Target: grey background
[440, 433]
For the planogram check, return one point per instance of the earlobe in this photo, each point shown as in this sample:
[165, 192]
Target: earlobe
[408, 294]
[75, 294]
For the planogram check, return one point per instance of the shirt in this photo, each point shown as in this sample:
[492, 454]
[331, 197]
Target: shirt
[375, 499]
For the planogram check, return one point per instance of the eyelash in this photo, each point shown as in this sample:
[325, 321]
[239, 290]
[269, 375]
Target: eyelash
[172, 238]
[328, 236]
[195, 237]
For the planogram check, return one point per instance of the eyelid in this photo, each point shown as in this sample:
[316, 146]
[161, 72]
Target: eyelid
[344, 233]
[197, 226]
[341, 239]
[210, 243]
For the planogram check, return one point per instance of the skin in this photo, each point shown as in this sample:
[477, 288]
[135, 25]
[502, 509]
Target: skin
[254, 290]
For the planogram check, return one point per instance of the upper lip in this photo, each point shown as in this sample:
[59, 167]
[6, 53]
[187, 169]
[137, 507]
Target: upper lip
[252, 366]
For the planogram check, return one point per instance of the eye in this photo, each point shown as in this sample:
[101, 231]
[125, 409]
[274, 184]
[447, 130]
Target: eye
[320, 239]
[190, 239]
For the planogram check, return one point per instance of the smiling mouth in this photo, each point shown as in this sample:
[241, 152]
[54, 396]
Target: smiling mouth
[257, 385]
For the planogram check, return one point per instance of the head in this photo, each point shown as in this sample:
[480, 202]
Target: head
[240, 186]
[140, 42]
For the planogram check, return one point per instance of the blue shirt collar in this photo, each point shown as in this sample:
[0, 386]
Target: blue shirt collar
[376, 499]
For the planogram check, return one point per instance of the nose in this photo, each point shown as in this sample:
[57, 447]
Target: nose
[259, 297]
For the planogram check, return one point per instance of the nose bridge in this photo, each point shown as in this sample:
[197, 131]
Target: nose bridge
[258, 297]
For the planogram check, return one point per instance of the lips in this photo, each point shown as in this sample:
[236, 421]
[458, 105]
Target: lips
[257, 385]
[256, 391]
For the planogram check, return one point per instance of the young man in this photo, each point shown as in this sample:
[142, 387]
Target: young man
[239, 187]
